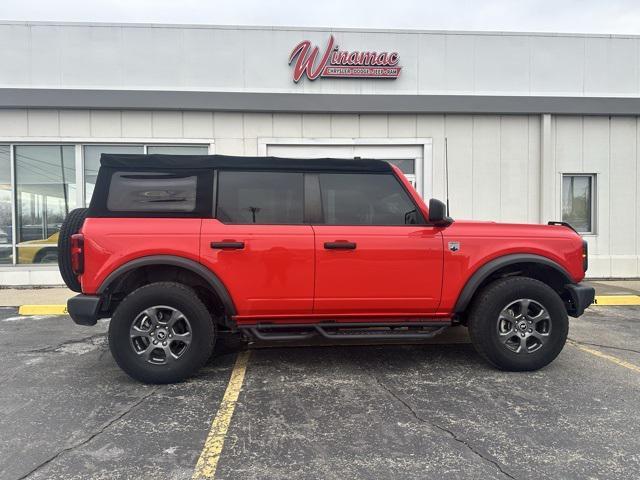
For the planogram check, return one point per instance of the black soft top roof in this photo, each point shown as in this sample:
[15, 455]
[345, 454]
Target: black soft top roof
[157, 161]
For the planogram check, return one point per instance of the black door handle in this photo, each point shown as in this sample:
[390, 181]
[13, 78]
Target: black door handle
[340, 245]
[227, 245]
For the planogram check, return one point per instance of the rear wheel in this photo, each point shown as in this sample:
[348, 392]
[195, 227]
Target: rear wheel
[161, 333]
[72, 225]
[518, 324]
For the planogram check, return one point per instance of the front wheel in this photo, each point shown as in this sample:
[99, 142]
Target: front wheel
[161, 333]
[518, 324]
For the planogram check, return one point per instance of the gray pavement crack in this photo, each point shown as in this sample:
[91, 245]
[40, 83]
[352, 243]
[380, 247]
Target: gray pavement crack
[604, 346]
[450, 433]
[93, 435]
[50, 348]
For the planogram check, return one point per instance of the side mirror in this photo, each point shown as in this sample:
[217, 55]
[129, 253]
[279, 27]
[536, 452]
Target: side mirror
[438, 214]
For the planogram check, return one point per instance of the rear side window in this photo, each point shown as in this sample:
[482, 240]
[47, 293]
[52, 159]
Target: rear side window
[179, 193]
[366, 199]
[152, 192]
[260, 197]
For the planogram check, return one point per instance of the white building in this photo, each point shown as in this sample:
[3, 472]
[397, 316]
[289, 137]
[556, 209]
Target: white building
[539, 126]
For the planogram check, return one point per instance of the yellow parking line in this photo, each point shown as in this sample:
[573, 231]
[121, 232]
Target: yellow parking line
[617, 300]
[42, 310]
[606, 356]
[208, 461]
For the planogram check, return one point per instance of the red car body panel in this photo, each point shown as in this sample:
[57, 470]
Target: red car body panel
[112, 242]
[271, 275]
[285, 274]
[386, 273]
[482, 242]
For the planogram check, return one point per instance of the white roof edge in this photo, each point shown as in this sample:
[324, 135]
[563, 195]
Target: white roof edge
[314, 29]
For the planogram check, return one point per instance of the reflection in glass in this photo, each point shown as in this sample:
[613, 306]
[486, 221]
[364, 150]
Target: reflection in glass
[261, 197]
[364, 199]
[92, 162]
[408, 166]
[46, 192]
[576, 201]
[6, 254]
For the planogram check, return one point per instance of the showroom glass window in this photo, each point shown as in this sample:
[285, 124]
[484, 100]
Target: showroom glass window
[578, 202]
[179, 149]
[6, 248]
[45, 178]
[92, 154]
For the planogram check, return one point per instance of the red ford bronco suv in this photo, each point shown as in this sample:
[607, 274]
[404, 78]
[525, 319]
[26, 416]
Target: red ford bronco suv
[177, 248]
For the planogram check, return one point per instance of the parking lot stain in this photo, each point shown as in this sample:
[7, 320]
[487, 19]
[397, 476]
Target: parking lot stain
[208, 461]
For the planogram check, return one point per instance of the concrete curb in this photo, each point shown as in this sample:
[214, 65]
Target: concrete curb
[42, 310]
[611, 300]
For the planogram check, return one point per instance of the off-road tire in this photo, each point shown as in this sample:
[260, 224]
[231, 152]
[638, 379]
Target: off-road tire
[483, 323]
[71, 226]
[175, 295]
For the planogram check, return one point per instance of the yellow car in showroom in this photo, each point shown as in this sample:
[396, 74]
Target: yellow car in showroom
[39, 251]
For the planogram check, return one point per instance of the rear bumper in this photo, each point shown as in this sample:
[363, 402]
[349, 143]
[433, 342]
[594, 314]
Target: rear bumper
[84, 309]
[581, 296]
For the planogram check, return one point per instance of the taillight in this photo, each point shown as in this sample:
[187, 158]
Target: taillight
[585, 255]
[77, 253]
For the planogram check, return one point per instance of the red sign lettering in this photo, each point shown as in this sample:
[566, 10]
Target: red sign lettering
[341, 64]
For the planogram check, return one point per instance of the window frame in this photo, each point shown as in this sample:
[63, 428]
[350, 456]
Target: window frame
[422, 222]
[593, 202]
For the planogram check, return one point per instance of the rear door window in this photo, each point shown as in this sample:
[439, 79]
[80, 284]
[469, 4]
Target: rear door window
[246, 197]
[366, 199]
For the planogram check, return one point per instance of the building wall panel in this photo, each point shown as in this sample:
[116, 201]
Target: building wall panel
[137, 124]
[514, 169]
[197, 124]
[208, 58]
[374, 125]
[485, 159]
[167, 124]
[106, 123]
[623, 200]
[75, 123]
[459, 132]
[43, 123]
[316, 125]
[533, 169]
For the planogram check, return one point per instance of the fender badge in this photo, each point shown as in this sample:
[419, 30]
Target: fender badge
[454, 246]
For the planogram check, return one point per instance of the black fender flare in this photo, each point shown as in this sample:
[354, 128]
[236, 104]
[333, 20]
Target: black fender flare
[171, 260]
[492, 266]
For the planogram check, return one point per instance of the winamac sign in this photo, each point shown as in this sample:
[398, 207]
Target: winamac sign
[341, 63]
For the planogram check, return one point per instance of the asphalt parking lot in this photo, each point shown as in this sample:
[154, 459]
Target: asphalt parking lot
[368, 411]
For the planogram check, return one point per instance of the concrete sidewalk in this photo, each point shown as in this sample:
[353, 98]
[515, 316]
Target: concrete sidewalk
[15, 297]
[616, 287]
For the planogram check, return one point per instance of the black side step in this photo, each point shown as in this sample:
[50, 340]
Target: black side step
[345, 331]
